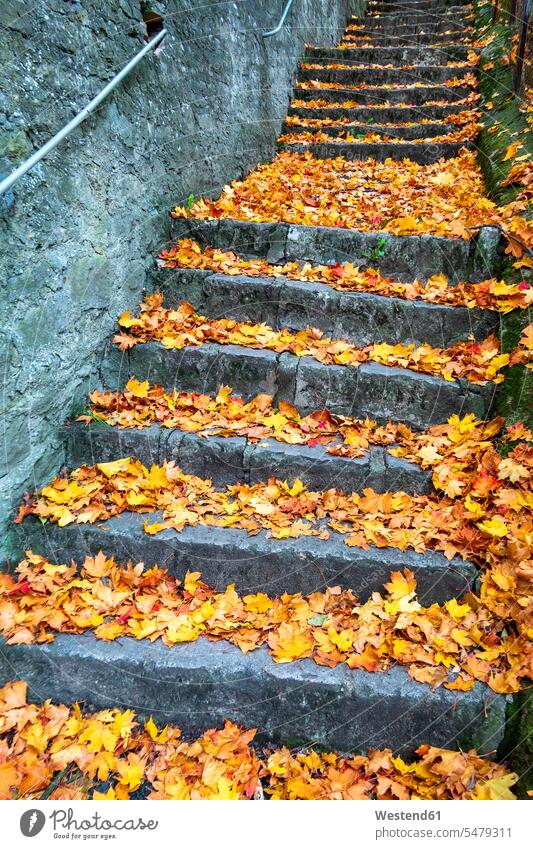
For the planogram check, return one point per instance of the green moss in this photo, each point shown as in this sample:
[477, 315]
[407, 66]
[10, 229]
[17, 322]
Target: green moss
[517, 749]
[504, 124]
[14, 144]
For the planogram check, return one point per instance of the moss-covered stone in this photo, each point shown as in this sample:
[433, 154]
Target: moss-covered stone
[517, 749]
[504, 124]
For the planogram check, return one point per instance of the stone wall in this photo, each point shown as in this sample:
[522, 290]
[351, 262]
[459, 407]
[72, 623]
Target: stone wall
[78, 234]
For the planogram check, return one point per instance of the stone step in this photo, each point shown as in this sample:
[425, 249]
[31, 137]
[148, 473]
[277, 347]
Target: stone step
[254, 563]
[423, 154]
[235, 459]
[403, 55]
[360, 317]
[404, 257]
[369, 115]
[412, 24]
[400, 38]
[387, 6]
[402, 7]
[199, 685]
[433, 74]
[415, 131]
[417, 96]
[419, 20]
[411, 34]
[381, 392]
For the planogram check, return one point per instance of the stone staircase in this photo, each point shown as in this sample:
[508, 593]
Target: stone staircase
[199, 685]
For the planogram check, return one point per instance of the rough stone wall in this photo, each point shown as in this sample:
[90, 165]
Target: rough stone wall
[78, 234]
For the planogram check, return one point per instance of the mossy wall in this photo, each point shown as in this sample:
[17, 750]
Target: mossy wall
[505, 123]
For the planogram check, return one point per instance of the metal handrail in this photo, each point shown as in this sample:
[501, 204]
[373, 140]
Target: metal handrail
[81, 116]
[281, 22]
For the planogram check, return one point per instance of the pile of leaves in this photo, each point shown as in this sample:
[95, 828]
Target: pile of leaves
[350, 41]
[61, 753]
[346, 277]
[453, 644]
[365, 66]
[470, 100]
[477, 362]
[464, 134]
[493, 516]
[445, 198]
[453, 450]
[468, 81]
[467, 116]
[485, 514]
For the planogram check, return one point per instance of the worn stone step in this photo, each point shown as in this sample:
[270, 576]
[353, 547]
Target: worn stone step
[360, 317]
[235, 459]
[254, 563]
[381, 392]
[371, 96]
[410, 35]
[421, 18]
[387, 6]
[199, 685]
[423, 154]
[412, 21]
[415, 10]
[404, 257]
[410, 38]
[433, 74]
[406, 33]
[428, 8]
[416, 131]
[402, 55]
[369, 115]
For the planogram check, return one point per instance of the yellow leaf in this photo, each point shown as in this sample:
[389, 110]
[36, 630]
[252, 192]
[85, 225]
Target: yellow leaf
[276, 421]
[258, 603]
[457, 611]
[289, 643]
[156, 736]
[192, 581]
[461, 637]
[496, 527]
[343, 640]
[140, 390]
[131, 771]
[110, 469]
[297, 488]
[512, 150]
[497, 788]
[154, 528]
[473, 507]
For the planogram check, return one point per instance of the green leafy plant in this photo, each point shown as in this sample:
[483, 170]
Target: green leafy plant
[376, 253]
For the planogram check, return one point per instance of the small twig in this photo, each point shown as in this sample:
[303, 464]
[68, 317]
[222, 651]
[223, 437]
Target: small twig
[54, 784]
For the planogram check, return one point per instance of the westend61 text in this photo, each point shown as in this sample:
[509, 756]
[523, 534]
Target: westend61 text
[407, 815]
